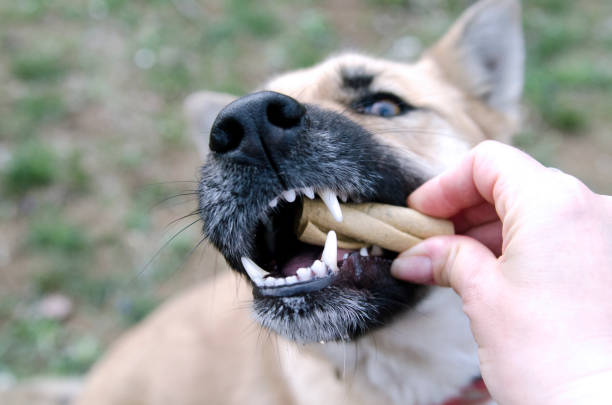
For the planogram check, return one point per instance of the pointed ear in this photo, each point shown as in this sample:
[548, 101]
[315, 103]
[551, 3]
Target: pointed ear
[200, 110]
[483, 54]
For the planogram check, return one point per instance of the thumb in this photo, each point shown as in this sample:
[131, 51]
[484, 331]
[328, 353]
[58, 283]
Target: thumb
[454, 261]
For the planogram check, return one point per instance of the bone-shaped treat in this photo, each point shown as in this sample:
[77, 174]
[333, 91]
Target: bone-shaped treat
[388, 226]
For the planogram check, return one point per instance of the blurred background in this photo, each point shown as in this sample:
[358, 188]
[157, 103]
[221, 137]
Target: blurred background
[96, 163]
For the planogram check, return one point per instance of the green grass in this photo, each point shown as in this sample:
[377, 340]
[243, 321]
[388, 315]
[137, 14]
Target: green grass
[73, 276]
[51, 232]
[135, 307]
[31, 345]
[41, 106]
[548, 79]
[582, 75]
[75, 175]
[40, 66]
[144, 200]
[173, 256]
[557, 7]
[33, 165]
[252, 18]
[67, 265]
[171, 128]
[312, 40]
[172, 79]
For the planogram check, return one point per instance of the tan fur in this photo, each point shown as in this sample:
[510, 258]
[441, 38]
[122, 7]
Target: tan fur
[203, 347]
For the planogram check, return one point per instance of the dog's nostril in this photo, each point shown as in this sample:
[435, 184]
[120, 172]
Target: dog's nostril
[226, 135]
[285, 113]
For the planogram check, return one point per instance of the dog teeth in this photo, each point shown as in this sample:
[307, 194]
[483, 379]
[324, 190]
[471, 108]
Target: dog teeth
[330, 251]
[376, 251]
[343, 197]
[319, 268]
[327, 266]
[273, 203]
[289, 195]
[277, 282]
[331, 201]
[363, 252]
[262, 278]
[309, 192]
[255, 272]
[304, 274]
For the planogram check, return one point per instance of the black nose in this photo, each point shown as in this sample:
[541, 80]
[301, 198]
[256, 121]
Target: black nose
[255, 123]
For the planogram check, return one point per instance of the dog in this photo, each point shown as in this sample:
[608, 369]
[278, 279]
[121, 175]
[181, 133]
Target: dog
[353, 128]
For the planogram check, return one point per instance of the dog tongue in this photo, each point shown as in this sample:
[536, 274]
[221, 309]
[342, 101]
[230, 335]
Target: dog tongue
[305, 258]
[302, 260]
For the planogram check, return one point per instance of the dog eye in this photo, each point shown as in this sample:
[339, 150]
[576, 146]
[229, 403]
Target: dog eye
[381, 104]
[383, 108]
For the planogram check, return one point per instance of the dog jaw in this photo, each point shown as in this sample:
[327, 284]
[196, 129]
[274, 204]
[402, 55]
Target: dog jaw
[425, 357]
[331, 152]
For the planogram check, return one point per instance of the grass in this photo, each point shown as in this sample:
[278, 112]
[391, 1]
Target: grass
[313, 39]
[549, 37]
[144, 200]
[31, 344]
[40, 66]
[38, 107]
[32, 166]
[35, 165]
[76, 177]
[54, 233]
[582, 75]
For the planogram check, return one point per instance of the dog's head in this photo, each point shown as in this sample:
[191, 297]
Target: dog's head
[358, 129]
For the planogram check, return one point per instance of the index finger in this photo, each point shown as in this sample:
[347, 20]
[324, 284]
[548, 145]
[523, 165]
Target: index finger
[492, 172]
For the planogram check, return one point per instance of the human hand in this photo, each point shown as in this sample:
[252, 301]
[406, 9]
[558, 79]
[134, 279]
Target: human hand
[533, 267]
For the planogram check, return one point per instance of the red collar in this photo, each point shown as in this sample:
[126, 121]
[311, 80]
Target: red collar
[474, 394]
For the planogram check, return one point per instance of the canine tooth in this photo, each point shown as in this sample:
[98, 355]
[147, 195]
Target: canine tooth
[289, 195]
[304, 274]
[330, 251]
[343, 197]
[319, 268]
[376, 251]
[274, 202]
[255, 272]
[309, 192]
[363, 252]
[330, 199]
[291, 280]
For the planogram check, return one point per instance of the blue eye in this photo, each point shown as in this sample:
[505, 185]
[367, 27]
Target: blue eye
[383, 108]
[381, 104]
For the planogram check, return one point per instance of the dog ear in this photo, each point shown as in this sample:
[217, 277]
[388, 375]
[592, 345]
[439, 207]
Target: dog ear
[483, 53]
[200, 110]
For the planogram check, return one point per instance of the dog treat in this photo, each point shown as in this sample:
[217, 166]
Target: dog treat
[388, 226]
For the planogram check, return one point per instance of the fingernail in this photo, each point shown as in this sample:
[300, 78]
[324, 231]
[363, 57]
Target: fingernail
[417, 269]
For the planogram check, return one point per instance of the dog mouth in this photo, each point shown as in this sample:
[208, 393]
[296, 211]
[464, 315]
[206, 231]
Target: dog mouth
[283, 266]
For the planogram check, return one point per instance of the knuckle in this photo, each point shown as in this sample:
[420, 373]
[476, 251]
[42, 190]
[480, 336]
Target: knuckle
[572, 198]
[465, 279]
